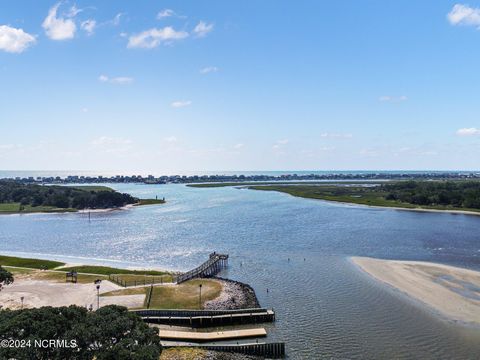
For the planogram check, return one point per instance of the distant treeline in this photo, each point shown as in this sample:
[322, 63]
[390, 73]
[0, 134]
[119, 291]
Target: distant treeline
[460, 194]
[61, 196]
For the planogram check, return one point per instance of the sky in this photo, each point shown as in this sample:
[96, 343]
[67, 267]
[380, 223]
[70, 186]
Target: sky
[174, 86]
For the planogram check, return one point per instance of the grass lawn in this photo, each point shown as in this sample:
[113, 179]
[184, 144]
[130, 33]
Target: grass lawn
[19, 271]
[9, 207]
[48, 275]
[60, 277]
[105, 270]
[15, 208]
[29, 263]
[131, 291]
[134, 280]
[185, 295]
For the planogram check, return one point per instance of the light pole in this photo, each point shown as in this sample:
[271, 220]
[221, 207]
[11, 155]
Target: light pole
[200, 297]
[98, 296]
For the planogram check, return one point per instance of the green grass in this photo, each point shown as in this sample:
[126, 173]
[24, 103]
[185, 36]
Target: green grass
[9, 207]
[59, 276]
[94, 188]
[19, 271]
[260, 183]
[134, 280]
[105, 270]
[14, 208]
[131, 291]
[185, 295]
[29, 263]
[361, 195]
[50, 275]
[149, 202]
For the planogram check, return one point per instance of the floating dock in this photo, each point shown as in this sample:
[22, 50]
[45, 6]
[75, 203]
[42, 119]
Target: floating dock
[193, 336]
[207, 318]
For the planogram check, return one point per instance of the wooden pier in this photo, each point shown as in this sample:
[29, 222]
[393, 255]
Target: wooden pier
[211, 267]
[207, 318]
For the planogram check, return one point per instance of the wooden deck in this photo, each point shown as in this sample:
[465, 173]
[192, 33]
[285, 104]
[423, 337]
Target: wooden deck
[207, 318]
[211, 336]
[212, 266]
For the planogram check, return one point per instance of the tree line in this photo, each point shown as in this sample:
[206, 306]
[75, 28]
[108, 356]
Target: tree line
[111, 332]
[460, 194]
[61, 196]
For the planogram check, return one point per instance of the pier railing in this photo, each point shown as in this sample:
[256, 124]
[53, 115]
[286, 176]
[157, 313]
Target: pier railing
[211, 267]
[124, 281]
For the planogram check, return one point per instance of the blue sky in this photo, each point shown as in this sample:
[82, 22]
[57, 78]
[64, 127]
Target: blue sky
[173, 86]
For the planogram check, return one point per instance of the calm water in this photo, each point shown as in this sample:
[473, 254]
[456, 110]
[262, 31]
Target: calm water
[326, 307]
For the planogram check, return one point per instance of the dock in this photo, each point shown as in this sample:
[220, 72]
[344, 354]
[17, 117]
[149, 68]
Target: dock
[215, 264]
[194, 336]
[207, 318]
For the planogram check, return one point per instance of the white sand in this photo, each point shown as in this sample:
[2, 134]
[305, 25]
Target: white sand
[453, 292]
[39, 293]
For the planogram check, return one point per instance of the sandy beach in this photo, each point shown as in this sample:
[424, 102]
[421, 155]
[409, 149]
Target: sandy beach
[451, 291]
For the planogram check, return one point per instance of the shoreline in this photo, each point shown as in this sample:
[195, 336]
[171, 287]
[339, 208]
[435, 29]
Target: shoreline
[448, 291]
[81, 211]
[414, 209]
[233, 295]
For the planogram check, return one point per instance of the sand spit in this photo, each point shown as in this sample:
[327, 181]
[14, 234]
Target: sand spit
[451, 291]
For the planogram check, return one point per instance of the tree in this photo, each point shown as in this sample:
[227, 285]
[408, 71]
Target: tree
[110, 333]
[6, 277]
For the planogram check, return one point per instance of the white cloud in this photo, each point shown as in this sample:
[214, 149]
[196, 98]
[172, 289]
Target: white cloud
[336, 135]
[89, 26]
[468, 132]
[14, 40]
[202, 29]
[7, 146]
[165, 13]
[112, 144]
[238, 146]
[280, 143]
[387, 98]
[116, 20]
[181, 103]
[119, 80]
[171, 139]
[464, 15]
[59, 28]
[152, 38]
[209, 69]
[74, 11]
[84, 110]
